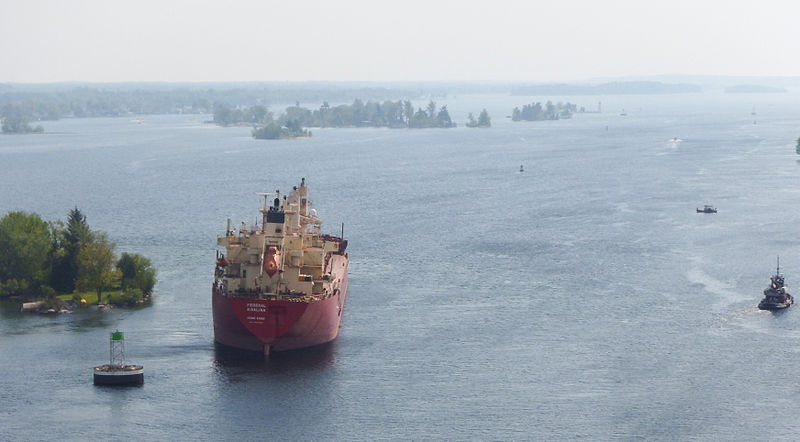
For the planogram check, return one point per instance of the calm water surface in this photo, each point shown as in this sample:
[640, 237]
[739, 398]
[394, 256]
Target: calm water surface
[583, 298]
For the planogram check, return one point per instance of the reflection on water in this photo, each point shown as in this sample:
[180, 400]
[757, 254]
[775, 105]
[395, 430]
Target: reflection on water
[452, 331]
[93, 320]
[231, 362]
[10, 309]
[14, 321]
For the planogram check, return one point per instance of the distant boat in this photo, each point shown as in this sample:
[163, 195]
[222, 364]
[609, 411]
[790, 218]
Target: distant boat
[521, 169]
[707, 209]
[623, 113]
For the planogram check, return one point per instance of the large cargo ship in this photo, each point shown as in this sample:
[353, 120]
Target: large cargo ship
[280, 285]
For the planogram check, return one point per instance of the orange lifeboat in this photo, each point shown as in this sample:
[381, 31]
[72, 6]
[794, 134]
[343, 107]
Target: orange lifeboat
[271, 259]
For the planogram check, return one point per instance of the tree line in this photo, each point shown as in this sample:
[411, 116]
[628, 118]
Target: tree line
[548, 111]
[19, 125]
[55, 101]
[399, 114]
[42, 259]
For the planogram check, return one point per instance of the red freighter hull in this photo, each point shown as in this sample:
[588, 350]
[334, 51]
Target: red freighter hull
[266, 325]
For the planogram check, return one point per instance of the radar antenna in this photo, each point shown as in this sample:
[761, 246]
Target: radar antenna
[266, 196]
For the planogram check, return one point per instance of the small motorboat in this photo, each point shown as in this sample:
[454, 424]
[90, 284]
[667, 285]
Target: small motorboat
[776, 296]
[707, 209]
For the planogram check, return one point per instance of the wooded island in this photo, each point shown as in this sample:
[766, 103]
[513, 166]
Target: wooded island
[68, 264]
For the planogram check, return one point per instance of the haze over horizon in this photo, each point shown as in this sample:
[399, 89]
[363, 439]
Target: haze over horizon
[357, 40]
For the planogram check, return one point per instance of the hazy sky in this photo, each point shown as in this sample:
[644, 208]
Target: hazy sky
[297, 40]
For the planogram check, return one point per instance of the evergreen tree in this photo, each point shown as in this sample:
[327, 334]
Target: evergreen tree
[471, 121]
[76, 237]
[484, 120]
[431, 110]
[443, 118]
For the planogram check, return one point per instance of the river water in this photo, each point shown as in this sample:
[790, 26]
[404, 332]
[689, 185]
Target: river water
[581, 298]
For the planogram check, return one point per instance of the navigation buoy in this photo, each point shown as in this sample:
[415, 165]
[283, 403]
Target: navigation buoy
[116, 372]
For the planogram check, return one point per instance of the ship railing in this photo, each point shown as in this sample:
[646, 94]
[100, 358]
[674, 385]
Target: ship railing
[220, 290]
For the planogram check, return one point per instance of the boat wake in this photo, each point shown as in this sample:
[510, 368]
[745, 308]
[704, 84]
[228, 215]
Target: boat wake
[725, 294]
[674, 143]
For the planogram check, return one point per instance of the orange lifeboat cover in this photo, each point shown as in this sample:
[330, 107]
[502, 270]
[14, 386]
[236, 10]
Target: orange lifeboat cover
[271, 259]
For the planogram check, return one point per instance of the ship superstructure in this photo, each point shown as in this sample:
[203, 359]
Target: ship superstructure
[282, 284]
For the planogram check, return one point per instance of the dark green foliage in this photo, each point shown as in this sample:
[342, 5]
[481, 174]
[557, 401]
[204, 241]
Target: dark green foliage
[96, 266]
[536, 112]
[53, 101]
[67, 244]
[371, 114]
[15, 121]
[26, 245]
[225, 116]
[430, 110]
[131, 297]
[42, 259]
[399, 114]
[471, 121]
[443, 118]
[295, 117]
[429, 118]
[137, 273]
[51, 302]
[270, 131]
[273, 132]
[483, 120]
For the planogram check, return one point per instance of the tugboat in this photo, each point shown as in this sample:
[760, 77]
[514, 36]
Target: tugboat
[776, 296]
[707, 209]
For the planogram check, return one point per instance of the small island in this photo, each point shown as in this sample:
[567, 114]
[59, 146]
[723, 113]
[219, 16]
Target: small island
[483, 120]
[57, 268]
[274, 131]
[265, 127]
[19, 125]
[550, 111]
